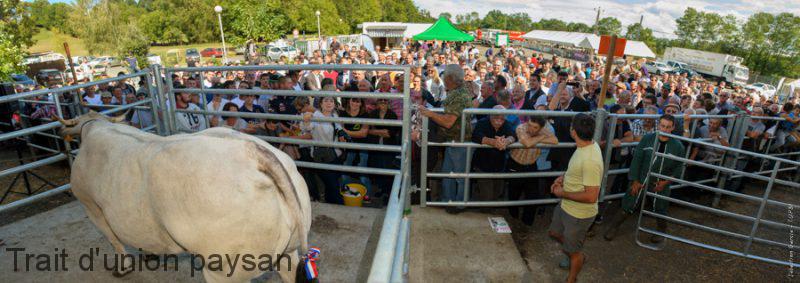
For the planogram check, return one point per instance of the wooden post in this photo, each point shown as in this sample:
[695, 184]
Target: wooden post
[71, 66]
[607, 74]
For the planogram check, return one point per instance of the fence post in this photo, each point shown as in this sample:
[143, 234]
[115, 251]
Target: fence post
[405, 150]
[607, 153]
[60, 114]
[153, 100]
[760, 212]
[736, 138]
[170, 109]
[423, 165]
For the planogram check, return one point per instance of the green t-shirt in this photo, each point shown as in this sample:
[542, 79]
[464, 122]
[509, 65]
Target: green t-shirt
[585, 170]
[455, 103]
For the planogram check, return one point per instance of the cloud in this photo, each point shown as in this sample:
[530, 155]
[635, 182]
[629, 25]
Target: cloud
[658, 15]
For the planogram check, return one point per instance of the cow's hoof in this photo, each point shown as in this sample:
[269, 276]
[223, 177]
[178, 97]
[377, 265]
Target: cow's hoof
[119, 274]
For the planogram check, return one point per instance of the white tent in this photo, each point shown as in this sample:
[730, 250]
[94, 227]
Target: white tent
[586, 40]
[632, 47]
[573, 39]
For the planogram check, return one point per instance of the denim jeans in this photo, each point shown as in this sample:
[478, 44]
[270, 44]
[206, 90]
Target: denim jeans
[362, 162]
[455, 160]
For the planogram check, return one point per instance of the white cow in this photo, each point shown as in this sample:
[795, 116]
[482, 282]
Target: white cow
[213, 192]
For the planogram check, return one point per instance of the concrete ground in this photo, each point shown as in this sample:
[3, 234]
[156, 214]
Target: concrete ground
[461, 248]
[346, 236]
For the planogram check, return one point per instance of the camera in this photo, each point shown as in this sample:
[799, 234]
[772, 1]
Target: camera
[340, 133]
[574, 84]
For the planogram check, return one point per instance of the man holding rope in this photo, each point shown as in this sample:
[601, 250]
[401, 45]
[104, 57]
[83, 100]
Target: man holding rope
[640, 170]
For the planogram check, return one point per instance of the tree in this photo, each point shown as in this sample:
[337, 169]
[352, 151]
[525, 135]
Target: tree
[579, 27]
[302, 16]
[638, 32]
[447, 16]
[355, 12]
[109, 27]
[689, 26]
[256, 20]
[609, 26]
[16, 34]
[551, 24]
[495, 19]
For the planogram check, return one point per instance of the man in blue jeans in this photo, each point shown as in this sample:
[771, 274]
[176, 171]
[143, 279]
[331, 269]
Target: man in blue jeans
[458, 98]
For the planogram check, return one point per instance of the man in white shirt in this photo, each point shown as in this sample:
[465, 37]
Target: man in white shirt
[188, 122]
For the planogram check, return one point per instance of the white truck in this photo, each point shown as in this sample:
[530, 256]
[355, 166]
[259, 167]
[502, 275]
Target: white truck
[724, 67]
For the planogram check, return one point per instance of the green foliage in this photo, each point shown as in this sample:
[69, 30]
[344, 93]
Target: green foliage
[403, 11]
[609, 26]
[16, 34]
[355, 12]
[254, 20]
[302, 14]
[108, 27]
[767, 42]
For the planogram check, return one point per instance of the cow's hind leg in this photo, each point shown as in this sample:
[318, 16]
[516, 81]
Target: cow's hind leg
[98, 218]
[289, 269]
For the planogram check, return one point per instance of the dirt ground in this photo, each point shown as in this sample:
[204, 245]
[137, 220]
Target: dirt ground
[622, 260]
[57, 174]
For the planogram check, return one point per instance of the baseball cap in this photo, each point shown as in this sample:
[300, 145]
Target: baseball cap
[105, 94]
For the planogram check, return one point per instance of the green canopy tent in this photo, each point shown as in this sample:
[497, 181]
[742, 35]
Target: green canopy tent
[445, 31]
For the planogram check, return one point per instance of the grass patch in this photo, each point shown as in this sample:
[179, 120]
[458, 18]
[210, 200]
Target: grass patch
[53, 40]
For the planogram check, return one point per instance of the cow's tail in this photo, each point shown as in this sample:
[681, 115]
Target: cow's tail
[273, 167]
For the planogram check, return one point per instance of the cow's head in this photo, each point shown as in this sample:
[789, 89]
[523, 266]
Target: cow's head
[73, 127]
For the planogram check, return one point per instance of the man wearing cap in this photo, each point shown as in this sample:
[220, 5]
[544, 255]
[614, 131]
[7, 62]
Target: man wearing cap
[641, 179]
[675, 110]
[106, 98]
[497, 132]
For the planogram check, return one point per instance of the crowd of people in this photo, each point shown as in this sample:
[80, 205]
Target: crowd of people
[455, 77]
[445, 80]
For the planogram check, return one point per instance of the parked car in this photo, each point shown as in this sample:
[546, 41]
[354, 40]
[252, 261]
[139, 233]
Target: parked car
[106, 60]
[47, 76]
[289, 51]
[192, 55]
[153, 59]
[100, 69]
[765, 89]
[240, 50]
[78, 72]
[655, 67]
[22, 79]
[273, 52]
[680, 71]
[212, 52]
[677, 65]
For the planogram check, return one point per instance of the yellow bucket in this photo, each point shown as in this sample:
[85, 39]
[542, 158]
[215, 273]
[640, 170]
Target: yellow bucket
[354, 200]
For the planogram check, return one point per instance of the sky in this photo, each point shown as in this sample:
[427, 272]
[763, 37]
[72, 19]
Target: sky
[658, 15]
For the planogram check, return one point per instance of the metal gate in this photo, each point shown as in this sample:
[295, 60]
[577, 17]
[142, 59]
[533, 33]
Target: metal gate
[758, 225]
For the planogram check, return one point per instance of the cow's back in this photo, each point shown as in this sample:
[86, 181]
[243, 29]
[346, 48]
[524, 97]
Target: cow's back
[203, 193]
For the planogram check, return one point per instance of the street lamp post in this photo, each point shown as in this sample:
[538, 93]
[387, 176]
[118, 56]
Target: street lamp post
[319, 32]
[218, 9]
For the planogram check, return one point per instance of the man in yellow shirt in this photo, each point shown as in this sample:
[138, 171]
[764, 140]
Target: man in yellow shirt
[578, 190]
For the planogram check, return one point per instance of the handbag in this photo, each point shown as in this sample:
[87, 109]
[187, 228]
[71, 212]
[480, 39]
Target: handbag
[325, 154]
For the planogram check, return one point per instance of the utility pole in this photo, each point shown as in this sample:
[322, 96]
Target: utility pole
[597, 21]
[641, 28]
